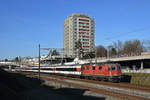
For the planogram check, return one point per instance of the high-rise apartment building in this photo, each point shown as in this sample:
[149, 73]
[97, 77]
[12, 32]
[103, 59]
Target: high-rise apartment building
[78, 27]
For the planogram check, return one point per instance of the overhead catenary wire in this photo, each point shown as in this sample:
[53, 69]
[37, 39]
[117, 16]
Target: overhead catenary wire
[123, 34]
[127, 33]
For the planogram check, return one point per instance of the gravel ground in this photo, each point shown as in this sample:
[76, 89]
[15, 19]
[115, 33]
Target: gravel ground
[79, 94]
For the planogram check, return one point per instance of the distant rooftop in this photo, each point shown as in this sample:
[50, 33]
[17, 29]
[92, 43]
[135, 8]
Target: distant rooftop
[79, 15]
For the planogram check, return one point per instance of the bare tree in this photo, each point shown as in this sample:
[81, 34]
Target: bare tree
[79, 49]
[146, 45]
[113, 52]
[101, 51]
[118, 46]
[89, 55]
[134, 46]
[6, 60]
[129, 47]
[55, 53]
[137, 46]
[16, 59]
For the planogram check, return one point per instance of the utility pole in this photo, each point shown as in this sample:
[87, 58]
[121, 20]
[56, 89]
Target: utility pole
[108, 52]
[62, 56]
[39, 61]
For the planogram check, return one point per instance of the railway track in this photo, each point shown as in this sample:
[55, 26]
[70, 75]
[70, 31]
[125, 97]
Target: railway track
[118, 90]
[121, 85]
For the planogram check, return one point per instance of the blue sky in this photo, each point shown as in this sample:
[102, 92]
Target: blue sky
[26, 23]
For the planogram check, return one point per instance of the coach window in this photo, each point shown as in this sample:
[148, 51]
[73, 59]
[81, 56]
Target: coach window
[113, 68]
[119, 67]
[100, 67]
[93, 68]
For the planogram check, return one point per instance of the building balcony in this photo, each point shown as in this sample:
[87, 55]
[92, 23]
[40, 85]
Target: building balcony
[85, 25]
[84, 29]
[84, 19]
[86, 46]
[86, 36]
[85, 40]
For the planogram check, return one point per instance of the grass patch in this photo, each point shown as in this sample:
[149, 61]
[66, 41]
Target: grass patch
[139, 78]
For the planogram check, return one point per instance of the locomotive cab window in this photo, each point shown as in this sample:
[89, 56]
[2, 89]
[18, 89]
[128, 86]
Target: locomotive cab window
[109, 68]
[88, 67]
[93, 68]
[113, 68]
[100, 67]
[118, 67]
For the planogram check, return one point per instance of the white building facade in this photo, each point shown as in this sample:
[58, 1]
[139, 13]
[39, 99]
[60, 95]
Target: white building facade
[78, 27]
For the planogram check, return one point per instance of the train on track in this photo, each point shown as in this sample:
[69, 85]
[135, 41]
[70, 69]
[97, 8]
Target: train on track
[107, 72]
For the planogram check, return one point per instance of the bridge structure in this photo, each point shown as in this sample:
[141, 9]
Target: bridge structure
[139, 62]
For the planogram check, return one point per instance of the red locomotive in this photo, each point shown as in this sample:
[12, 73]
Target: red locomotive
[110, 72]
